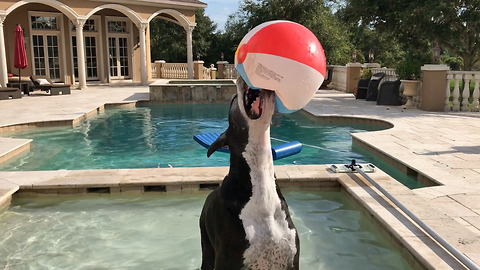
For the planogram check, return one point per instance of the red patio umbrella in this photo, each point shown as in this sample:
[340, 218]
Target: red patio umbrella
[20, 55]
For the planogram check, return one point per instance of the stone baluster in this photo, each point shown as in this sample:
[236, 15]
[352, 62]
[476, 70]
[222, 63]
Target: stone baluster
[476, 94]
[456, 92]
[447, 93]
[466, 92]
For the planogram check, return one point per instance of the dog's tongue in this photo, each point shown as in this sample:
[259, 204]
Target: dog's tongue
[256, 106]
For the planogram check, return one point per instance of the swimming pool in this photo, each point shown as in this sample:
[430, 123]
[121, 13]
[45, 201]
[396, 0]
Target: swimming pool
[162, 232]
[161, 136]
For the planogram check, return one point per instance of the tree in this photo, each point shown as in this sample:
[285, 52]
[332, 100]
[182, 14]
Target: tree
[313, 14]
[169, 41]
[454, 24]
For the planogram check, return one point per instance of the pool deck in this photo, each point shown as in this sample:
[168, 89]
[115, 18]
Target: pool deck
[442, 147]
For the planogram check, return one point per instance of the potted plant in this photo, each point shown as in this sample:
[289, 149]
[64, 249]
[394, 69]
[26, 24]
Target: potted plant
[408, 72]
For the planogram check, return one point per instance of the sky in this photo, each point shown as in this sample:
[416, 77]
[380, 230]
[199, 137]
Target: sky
[218, 10]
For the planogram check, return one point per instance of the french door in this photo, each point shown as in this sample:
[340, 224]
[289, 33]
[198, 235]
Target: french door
[118, 57]
[46, 56]
[91, 66]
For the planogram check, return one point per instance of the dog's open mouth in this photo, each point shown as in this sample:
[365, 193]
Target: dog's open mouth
[253, 100]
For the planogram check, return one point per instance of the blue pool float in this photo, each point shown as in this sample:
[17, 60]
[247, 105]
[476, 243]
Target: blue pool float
[278, 151]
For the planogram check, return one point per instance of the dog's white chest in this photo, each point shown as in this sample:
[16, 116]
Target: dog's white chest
[272, 243]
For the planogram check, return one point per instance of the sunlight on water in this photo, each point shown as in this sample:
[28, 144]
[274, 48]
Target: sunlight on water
[162, 232]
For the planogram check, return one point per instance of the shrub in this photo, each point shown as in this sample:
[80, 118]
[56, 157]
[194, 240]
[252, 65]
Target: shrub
[365, 73]
[454, 62]
[409, 68]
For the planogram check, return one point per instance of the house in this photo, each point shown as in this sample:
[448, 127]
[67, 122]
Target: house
[114, 35]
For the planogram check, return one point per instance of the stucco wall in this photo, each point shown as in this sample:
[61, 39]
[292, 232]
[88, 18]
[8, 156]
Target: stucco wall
[83, 8]
[72, 8]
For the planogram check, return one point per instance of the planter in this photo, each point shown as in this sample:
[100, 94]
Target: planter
[410, 89]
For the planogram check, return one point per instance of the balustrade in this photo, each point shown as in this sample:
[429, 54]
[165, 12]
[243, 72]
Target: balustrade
[339, 78]
[153, 70]
[390, 74]
[206, 73]
[462, 97]
[230, 72]
[174, 71]
[476, 94]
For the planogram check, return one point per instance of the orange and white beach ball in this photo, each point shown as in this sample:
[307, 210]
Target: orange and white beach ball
[284, 57]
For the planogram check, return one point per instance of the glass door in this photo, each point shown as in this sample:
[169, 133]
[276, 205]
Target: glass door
[46, 56]
[90, 57]
[118, 57]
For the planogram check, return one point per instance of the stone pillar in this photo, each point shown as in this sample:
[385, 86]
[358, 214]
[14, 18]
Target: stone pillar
[3, 55]
[213, 72]
[82, 79]
[158, 68]
[221, 69]
[142, 27]
[198, 70]
[433, 87]
[189, 30]
[353, 75]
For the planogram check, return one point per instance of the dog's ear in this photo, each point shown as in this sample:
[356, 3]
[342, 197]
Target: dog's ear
[220, 142]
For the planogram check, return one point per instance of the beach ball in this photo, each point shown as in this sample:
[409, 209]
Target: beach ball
[284, 57]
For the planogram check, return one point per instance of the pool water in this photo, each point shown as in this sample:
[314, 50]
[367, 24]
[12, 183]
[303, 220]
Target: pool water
[162, 136]
[161, 232]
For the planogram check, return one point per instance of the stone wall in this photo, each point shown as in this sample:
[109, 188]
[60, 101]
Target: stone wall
[170, 92]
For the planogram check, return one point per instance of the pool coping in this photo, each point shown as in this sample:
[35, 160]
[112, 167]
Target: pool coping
[418, 249]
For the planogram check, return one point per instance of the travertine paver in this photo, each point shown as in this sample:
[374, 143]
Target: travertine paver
[442, 146]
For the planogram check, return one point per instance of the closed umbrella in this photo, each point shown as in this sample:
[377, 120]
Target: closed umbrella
[20, 55]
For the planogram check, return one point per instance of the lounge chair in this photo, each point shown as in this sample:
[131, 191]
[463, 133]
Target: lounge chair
[372, 91]
[389, 93]
[25, 83]
[362, 88]
[10, 93]
[44, 84]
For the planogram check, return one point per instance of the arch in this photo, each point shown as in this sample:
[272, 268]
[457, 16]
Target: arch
[132, 15]
[70, 13]
[182, 20]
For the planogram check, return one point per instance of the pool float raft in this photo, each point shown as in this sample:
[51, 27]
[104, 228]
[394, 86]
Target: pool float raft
[278, 151]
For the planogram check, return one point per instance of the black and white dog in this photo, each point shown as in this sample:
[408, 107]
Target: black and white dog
[245, 223]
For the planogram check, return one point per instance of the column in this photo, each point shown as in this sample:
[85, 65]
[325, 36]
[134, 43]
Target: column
[142, 27]
[221, 69]
[189, 30]
[433, 88]
[3, 56]
[82, 79]
[198, 70]
[353, 75]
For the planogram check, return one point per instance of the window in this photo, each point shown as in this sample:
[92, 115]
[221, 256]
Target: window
[117, 27]
[42, 22]
[89, 25]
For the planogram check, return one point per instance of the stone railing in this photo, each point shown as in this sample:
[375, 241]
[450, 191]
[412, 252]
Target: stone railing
[390, 74]
[465, 98]
[206, 73]
[153, 70]
[226, 70]
[230, 72]
[174, 70]
[339, 78]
